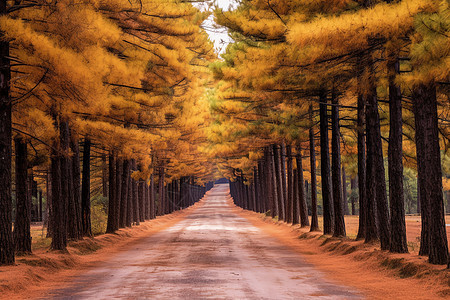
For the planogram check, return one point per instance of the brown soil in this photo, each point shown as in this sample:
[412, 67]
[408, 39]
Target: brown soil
[378, 274]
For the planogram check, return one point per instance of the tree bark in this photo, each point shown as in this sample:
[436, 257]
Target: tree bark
[344, 191]
[279, 174]
[395, 157]
[430, 172]
[152, 198]
[6, 236]
[76, 183]
[302, 205]
[86, 189]
[141, 199]
[59, 209]
[136, 205]
[284, 187]
[361, 145]
[339, 222]
[118, 190]
[327, 196]
[290, 203]
[124, 193]
[112, 224]
[161, 202]
[22, 235]
[312, 158]
[104, 176]
[274, 181]
[376, 181]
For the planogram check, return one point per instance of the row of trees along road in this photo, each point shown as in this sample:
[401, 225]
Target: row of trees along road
[124, 85]
[375, 74]
[113, 85]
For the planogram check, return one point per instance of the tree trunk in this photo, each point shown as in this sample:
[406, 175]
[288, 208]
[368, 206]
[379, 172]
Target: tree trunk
[395, 157]
[86, 189]
[274, 182]
[112, 224]
[141, 200]
[124, 193]
[312, 158]
[279, 175]
[22, 235]
[76, 183]
[376, 181]
[161, 202]
[118, 191]
[104, 176]
[302, 205]
[6, 236]
[290, 203]
[152, 198]
[327, 196]
[59, 209]
[344, 191]
[361, 145]
[130, 208]
[339, 222]
[430, 172]
[136, 204]
[284, 186]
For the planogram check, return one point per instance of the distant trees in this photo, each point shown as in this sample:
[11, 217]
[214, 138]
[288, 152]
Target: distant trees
[350, 58]
[125, 79]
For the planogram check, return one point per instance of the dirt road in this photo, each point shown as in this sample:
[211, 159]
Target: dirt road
[212, 254]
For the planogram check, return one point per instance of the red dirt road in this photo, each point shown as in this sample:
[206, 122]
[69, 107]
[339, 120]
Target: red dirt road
[212, 254]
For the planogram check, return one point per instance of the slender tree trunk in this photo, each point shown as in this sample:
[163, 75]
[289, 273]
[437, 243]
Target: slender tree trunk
[290, 203]
[22, 235]
[130, 208]
[118, 191]
[395, 156]
[344, 191]
[112, 224]
[124, 193]
[284, 187]
[104, 176]
[327, 196]
[141, 199]
[161, 202]
[6, 236]
[430, 172]
[152, 198]
[312, 158]
[274, 183]
[59, 209]
[76, 183]
[371, 233]
[86, 189]
[339, 222]
[49, 208]
[303, 206]
[377, 180]
[361, 145]
[280, 189]
[136, 205]
[270, 182]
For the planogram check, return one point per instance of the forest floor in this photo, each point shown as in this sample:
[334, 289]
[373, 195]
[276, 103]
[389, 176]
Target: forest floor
[216, 250]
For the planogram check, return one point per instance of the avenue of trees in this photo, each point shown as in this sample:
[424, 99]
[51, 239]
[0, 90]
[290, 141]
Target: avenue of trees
[374, 74]
[127, 99]
[110, 89]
